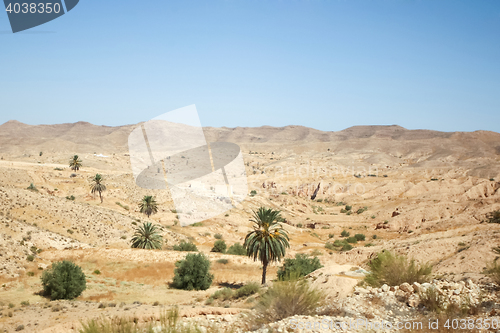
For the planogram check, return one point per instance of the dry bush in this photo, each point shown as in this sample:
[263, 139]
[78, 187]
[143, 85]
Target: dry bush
[247, 290]
[493, 271]
[393, 270]
[432, 301]
[224, 294]
[286, 299]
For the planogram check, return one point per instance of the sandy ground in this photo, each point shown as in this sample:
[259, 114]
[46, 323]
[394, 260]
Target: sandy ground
[423, 201]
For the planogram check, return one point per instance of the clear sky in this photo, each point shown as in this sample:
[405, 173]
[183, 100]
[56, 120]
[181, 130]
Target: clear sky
[432, 64]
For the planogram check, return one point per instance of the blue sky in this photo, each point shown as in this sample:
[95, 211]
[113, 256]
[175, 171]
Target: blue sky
[322, 64]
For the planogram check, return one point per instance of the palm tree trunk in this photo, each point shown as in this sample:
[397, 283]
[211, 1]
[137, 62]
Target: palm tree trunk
[264, 270]
[100, 196]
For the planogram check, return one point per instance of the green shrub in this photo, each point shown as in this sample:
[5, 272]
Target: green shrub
[185, 246]
[219, 246]
[300, 266]
[122, 206]
[25, 303]
[348, 208]
[30, 273]
[374, 236]
[287, 299]
[330, 246]
[299, 225]
[63, 280]
[343, 211]
[344, 233]
[237, 249]
[369, 244]
[71, 197]
[247, 290]
[331, 235]
[339, 242]
[346, 247]
[32, 187]
[393, 270]
[253, 193]
[493, 217]
[361, 210]
[359, 237]
[193, 273]
[30, 258]
[222, 261]
[223, 294]
[218, 236]
[352, 240]
[97, 272]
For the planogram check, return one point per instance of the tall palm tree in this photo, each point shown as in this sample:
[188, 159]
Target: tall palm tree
[75, 163]
[148, 205]
[97, 185]
[146, 237]
[268, 241]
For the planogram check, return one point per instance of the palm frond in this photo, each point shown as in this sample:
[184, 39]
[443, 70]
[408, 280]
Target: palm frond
[268, 241]
[148, 205]
[146, 237]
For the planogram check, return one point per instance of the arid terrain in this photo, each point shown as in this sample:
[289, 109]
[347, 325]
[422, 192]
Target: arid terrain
[426, 195]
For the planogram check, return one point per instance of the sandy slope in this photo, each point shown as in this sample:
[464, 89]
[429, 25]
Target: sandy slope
[433, 189]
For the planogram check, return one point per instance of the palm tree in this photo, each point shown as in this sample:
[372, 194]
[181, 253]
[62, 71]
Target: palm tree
[148, 205]
[97, 185]
[75, 163]
[146, 237]
[268, 241]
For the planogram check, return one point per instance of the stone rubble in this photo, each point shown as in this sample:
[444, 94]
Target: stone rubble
[372, 309]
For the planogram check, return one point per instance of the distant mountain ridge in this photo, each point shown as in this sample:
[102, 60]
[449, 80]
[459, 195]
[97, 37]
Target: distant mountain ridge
[84, 137]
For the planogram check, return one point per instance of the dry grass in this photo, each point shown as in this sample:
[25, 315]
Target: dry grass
[236, 273]
[167, 322]
[108, 296]
[152, 274]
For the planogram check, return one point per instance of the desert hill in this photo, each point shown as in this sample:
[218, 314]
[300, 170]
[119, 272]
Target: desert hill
[425, 194]
[396, 140]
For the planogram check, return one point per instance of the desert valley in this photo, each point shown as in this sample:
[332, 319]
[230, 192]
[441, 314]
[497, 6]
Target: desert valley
[423, 194]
